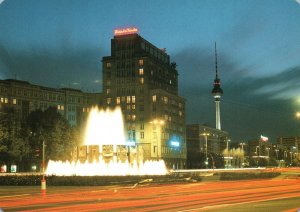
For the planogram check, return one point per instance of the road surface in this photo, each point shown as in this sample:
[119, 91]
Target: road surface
[249, 195]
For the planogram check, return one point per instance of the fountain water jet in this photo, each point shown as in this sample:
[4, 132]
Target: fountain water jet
[105, 151]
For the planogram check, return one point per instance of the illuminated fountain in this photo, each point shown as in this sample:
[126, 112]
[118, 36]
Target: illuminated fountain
[106, 151]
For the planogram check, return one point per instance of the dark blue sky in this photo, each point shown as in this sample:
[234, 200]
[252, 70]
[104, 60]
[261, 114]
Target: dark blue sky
[60, 43]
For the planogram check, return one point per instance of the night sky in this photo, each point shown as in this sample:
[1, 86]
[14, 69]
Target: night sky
[61, 43]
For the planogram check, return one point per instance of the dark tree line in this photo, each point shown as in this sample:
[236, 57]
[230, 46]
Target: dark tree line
[21, 141]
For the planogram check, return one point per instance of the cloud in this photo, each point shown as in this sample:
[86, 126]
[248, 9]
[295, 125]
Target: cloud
[1, 1]
[77, 68]
[298, 1]
[250, 105]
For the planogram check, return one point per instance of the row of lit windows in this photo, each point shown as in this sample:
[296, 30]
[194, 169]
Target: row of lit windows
[165, 99]
[140, 62]
[131, 126]
[45, 96]
[5, 100]
[60, 107]
[131, 117]
[129, 99]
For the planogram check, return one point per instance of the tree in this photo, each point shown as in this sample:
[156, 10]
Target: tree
[13, 149]
[49, 126]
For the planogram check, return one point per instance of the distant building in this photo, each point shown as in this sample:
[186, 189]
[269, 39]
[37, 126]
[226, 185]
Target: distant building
[139, 78]
[289, 148]
[259, 148]
[196, 136]
[24, 97]
[289, 143]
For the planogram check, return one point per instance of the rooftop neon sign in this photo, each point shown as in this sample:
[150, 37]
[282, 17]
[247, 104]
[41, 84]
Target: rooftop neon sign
[126, 31]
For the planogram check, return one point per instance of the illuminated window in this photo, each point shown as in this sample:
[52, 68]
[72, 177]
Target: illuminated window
[14, 101]
[83, 109]
[133, 107]
[166, 99]
[128, 99]
[141, 71]
[107, 91]
[180, 113]
[6, 100]
[108, 100]
[2, 100]
[141, 62]
[142, 80]
[60, 107]
[108, 65]
[170, 82]
[133, 99]
[118, 100]
[123, 99]
[133, 117]
[154, 98]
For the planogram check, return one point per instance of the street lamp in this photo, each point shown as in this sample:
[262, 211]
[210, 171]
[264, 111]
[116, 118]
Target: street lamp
[268, 150]
[243, 152]
[43, 182]
[257, 152]
[276, 150]
[242, 144]
[206, 158]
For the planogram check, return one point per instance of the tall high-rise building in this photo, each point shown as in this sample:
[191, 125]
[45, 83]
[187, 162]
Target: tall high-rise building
[139, 78]
[217, 93]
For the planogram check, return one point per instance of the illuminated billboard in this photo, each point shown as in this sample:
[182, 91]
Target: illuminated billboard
[125, 31]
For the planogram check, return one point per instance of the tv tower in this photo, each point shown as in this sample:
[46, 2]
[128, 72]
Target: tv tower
[217, 93]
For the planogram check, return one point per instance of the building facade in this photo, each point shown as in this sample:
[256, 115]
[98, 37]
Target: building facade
[139, 78]
[204, 140]
[24, 97]
[289, 148]
[291, 143]
[259, 148]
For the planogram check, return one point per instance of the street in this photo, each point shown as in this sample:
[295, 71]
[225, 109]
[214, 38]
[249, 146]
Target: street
[249, 195]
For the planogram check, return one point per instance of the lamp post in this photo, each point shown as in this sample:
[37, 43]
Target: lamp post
[285, 156]
[268, 150]
[206, 158]
[276, 150]
[43, 182]
[243, 152]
